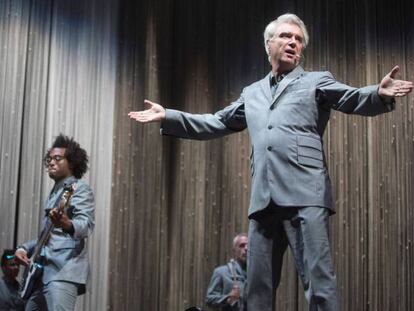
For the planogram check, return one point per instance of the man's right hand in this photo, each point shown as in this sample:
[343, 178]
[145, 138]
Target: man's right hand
[20, 256]
[234, 295]
[154, 113]
[390, 87]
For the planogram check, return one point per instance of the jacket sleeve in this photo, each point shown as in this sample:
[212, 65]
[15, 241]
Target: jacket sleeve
[83, 211]
[230, 119]
[362, 101]
[29, 246]
[215, 296]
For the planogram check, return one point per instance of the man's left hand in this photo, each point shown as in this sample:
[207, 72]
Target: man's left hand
[390, 87]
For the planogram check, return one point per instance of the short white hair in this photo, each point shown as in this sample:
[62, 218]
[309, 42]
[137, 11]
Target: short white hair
[289, 18]
[237, 237]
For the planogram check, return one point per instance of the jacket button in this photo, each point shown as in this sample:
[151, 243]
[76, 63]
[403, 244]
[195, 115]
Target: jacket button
[270, 127]
[269, 148]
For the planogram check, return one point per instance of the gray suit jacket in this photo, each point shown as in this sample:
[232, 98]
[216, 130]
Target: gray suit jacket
[221, 284]
[287, 162]
[67, 255]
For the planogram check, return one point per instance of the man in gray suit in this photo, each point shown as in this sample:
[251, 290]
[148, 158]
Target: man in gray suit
[286, 114]
[65, 255]
[226, 289]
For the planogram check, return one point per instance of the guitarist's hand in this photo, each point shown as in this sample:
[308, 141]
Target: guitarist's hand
[234, 295]
[21, 257]
[61, 220]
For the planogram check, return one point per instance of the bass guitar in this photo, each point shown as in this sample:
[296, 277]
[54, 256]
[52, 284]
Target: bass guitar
[34, 270]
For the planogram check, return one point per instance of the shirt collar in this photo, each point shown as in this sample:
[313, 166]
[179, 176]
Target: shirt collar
[239, 267]
[63, 183]
[275, 80]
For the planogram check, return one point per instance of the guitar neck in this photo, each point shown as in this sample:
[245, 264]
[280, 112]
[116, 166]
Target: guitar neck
[44, 237]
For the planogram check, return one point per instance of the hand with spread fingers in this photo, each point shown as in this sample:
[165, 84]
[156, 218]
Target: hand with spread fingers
[154, 113]
[391, 87]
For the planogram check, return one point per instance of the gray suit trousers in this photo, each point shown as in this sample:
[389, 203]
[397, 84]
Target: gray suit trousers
[54, 296]
[305, 230]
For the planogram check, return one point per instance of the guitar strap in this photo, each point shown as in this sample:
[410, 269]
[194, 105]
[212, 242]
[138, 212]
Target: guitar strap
[233, 271]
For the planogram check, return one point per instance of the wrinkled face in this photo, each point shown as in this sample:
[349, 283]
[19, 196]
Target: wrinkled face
[57, 165]
[285, 47]
[10, 269]
[240, 249]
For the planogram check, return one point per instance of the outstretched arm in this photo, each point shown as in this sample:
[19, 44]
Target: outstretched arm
[369, 100]
[391, 87]
[154, 113]
[205, 126]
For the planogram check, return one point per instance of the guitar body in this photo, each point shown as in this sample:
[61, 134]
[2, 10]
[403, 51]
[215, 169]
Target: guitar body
[32, 274]
[34, 271]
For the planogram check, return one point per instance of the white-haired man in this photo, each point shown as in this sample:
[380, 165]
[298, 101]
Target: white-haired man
[286, 114]
[226, 289]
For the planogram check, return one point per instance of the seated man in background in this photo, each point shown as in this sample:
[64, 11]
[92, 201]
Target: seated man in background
[228, 281]
[9, 286]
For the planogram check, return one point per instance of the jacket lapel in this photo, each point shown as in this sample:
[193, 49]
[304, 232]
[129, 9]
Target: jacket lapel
[292, 76]
[265, 85]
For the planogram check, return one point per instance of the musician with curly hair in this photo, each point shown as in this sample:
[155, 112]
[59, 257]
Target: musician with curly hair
[62, 259]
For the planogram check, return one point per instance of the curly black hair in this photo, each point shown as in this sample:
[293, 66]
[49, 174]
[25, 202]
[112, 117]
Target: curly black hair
[74, 154]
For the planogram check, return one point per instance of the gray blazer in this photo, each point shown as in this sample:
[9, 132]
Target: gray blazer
[67, 255]
[221, 284]
[287, 162]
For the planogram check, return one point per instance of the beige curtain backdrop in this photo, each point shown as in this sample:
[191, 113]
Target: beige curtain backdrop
[167, 209]
[57, 75]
